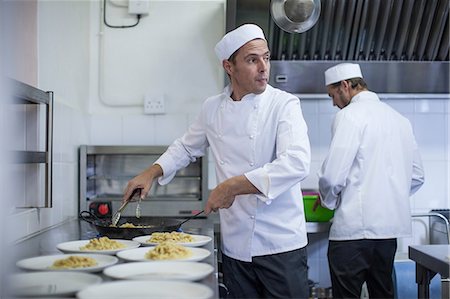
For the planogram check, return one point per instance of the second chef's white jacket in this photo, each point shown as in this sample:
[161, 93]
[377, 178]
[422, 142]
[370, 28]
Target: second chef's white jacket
[372, 168]
[265, 138]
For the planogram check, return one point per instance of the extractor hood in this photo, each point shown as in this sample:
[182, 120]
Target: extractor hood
[401, 45]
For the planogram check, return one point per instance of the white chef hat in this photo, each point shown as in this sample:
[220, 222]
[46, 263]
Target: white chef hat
[341, 72]
[235, 39]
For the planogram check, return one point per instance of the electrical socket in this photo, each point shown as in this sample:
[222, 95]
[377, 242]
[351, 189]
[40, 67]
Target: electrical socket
[138, 7]
[154, 104]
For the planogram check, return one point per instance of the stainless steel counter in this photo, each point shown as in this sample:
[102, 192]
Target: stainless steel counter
[430, 260]
[45, 244]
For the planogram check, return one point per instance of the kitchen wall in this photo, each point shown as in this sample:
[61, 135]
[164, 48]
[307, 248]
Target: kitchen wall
[165, 55]
[100, 77]
[58, 31]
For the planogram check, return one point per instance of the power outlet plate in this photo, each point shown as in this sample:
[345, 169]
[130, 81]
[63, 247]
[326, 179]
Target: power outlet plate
[139, 7]
[154, 105]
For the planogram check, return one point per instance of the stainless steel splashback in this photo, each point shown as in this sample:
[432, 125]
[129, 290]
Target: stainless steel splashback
[381, 76]
[402, 45]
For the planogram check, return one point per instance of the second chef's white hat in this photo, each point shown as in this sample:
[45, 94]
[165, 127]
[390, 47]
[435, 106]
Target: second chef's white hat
[341, 72]
[235, 39]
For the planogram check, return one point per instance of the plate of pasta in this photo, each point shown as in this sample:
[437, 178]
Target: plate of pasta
[181, 238]
[68, 262]
[103, 245]
[166, 251]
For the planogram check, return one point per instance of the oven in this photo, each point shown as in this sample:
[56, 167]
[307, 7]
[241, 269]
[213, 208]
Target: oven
[104, 172]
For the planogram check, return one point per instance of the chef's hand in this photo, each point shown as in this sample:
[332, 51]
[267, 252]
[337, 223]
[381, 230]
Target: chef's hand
[222, 197]
[316, 204]
[142, 181]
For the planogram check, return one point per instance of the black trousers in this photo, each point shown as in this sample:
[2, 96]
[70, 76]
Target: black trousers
[283, 275]
[357, 261]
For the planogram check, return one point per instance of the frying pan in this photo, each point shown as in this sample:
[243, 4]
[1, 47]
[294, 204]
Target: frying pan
[151, 225]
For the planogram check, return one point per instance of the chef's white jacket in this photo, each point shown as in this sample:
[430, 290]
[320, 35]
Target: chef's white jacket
[265, 138]
[372, 168]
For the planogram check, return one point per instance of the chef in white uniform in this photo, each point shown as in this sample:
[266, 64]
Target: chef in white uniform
[372, 168]
[258, 138]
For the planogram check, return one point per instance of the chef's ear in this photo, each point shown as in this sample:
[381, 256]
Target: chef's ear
[227, 66]
[345, 84]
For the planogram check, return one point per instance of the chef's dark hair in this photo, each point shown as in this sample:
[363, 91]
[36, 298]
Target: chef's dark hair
[354, 82]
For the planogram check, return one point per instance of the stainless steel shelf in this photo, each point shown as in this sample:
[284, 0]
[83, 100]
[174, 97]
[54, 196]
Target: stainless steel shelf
[29, 157]
[24, 94]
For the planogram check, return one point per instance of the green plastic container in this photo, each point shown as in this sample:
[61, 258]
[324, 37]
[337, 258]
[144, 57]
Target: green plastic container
[321, 214]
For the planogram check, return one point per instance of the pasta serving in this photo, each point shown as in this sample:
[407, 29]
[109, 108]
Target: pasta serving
[175, 237]
[103, 243]
[74, 262]
[168, 251]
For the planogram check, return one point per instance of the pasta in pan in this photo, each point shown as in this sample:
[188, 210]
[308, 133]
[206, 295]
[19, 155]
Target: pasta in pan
[168, 251]
[176, 237]
[103, 243]
[74, 262]
[131, 225]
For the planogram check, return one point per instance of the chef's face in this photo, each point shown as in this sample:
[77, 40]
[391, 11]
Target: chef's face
[340, 94]
[249, 70]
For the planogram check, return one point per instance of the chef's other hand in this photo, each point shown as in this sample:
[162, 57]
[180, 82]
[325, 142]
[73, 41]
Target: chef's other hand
[142, 181]
[316, 204]
[220, 197]
[223, 196]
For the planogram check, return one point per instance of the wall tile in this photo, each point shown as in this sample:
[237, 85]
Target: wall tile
[312, 121]
[19, 220]
[170, 127]
[58, 132]
[325, 122]
[309, 106]
[401, 105]
[430, 135]
[67, 131]
[430, 105]
[326, 106]
[312, 181]
[106, 129]
[432, 195]
[139, 130]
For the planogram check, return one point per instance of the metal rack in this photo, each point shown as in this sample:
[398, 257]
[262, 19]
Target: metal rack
[24, 94]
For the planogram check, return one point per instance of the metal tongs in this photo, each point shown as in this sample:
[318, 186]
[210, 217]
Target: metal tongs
[115, 218]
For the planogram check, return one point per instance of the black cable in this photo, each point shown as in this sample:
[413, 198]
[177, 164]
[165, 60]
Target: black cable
[113, 26]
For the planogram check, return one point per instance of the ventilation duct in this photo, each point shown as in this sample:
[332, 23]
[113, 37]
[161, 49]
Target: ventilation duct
[401, 45]
[399, 30]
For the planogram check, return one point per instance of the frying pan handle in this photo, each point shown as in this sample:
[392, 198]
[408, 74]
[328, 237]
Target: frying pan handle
[89, 214]
[184, 221]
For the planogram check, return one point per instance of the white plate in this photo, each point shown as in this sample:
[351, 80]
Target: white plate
[147, 289]
[43, 263]
[157, 270]
[74, 246]
[138, 255]
[50, 283]
[199, 240]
